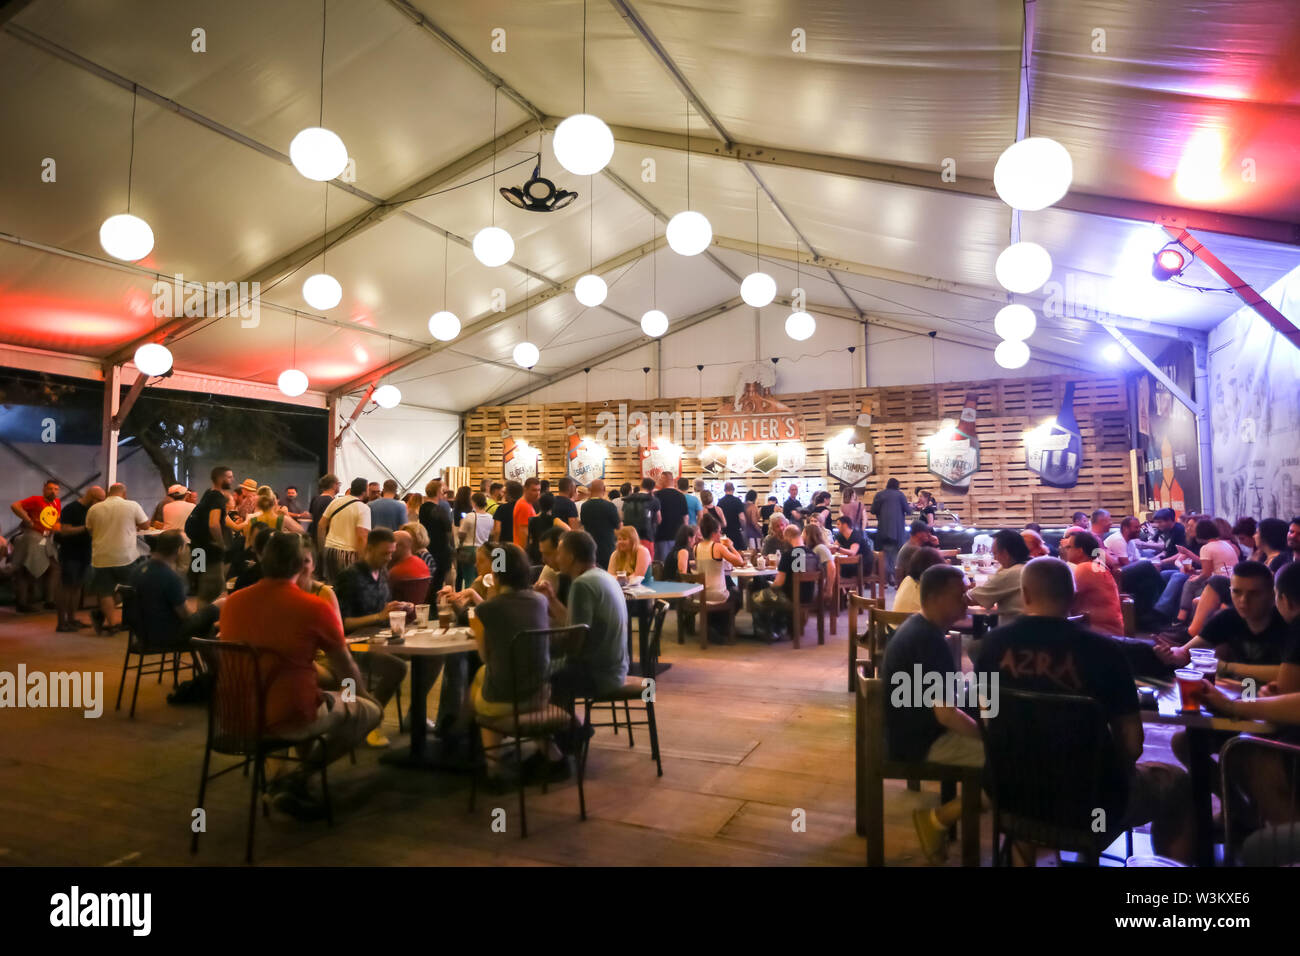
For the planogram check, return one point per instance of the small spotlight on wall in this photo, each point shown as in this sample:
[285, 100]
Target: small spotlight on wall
[1112, 353]
[1169, 262]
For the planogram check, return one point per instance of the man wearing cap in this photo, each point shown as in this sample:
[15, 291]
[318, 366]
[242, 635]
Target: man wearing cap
[172, 511]
[246, 500]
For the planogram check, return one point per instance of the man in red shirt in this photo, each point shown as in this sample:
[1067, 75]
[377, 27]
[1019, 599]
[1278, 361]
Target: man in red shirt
[525, 509]
[408, 567]
[35, 557]
[1095, 592]
[276, 616]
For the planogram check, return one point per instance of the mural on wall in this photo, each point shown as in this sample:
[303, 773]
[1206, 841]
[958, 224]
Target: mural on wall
[1166, 435]
[1255, 412]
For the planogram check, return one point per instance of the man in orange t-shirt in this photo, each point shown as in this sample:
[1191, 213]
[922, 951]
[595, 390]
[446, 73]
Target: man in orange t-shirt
[1095, 591]
[525, 510]
[276, 616]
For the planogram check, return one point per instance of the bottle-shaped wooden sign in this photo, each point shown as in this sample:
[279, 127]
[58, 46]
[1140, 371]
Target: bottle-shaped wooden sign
[585, 461]
[517, 463]
[1055, 453]
[850, 462]
[953, 454]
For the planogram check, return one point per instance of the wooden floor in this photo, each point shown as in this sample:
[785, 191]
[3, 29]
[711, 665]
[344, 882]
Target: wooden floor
[751, 733]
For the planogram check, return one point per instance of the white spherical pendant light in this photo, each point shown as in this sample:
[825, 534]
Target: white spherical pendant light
[654, 323]
[758, 289]
[126, 237]
[591, 290]
[387, 396]
[800, 326]
[1033, 173]
[526, 355]
[583, 144]
[318, 154]
[493, 246]
[1011, 354]
[293, 382]
[1015, 322]
[689, 233]
[1023, 267]
[153, 359]
[322, 291]
[444, 326]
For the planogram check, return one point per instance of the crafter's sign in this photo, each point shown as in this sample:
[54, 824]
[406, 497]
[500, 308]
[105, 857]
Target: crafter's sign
[757, 419]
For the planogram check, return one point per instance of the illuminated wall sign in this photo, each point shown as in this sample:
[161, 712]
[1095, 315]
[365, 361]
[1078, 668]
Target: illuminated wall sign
[1054, 450]
[519, 460]
[953, 453]
[757, 418]
[848, 455]
[586, 457]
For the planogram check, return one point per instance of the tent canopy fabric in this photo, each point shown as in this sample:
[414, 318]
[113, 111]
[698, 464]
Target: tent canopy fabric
[824, 161]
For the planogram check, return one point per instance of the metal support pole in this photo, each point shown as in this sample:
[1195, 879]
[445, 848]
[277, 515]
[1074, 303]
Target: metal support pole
[109, 427]
[1204, 432]
[330, 446]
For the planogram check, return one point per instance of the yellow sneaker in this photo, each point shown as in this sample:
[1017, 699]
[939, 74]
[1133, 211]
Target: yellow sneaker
[933, 835]
[377, 739]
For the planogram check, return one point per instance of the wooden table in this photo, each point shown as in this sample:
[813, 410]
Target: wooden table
[1200, 727]
[645, 595]
[421, 646]
[750, 573]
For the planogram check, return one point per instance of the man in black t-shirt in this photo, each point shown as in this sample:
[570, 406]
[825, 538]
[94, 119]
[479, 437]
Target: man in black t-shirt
[73, 541]
[1041, 651]
[504, 516]
[793, 508]
[164, 617]
[672, 515]
[209, 529]
[942, 733]
[641, 511]
[564, 507]
[850, 540]
[733, 509]
[1249, 638]
[328, 489]
[601, 520]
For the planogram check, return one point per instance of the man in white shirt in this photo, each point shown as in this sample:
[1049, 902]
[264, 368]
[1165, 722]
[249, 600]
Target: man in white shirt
[176, 508]
[114, 550]
[1123, 543]
[344, 527]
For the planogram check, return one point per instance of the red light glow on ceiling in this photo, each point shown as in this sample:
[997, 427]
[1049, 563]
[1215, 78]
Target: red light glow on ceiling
[64, 324]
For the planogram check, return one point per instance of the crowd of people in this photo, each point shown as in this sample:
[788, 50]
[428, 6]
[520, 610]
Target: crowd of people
[298, 576]
[1198, 583]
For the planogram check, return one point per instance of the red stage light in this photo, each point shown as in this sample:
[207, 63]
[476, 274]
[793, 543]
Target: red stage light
[1169, 262]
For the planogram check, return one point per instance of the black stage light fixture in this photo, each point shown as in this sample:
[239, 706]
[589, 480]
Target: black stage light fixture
[1169, 262]
[538, 194]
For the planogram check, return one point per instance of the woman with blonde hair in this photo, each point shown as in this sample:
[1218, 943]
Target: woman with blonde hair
[815, 537]
[629, 556]
[270, 512]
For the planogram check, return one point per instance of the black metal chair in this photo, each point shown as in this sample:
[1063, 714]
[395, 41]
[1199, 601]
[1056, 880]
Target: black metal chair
[536, 713]
[634, 690]
[1046, 757]
[237, 726]
[1249, 840]
[140, 646]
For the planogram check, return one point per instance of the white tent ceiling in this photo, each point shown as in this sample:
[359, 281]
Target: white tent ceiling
[884, 91]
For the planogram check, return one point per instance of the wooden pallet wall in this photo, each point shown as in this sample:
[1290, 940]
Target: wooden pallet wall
[1003, 492]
